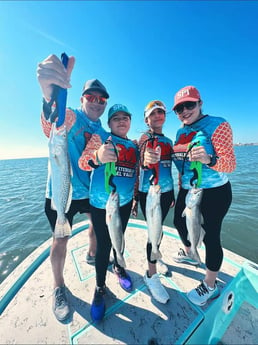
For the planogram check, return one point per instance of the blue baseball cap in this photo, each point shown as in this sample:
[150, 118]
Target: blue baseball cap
[116, 108]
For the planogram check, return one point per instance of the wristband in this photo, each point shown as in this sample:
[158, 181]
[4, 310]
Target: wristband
[213, 161]
[97, 159]
[92, 164]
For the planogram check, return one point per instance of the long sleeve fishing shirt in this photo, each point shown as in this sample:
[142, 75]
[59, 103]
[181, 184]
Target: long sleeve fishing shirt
[215, 134]
[126, 169]
[80, 129]
[165, 173]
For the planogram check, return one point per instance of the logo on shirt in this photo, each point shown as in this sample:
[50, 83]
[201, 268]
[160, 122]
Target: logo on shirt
[127, 160]
[166, 151]
[181, 146]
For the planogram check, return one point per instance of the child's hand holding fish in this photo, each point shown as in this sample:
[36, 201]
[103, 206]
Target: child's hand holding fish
[152, 156]
[106, 153]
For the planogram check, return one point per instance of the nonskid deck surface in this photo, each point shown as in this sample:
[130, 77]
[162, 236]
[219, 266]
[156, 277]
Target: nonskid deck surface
[131, 318]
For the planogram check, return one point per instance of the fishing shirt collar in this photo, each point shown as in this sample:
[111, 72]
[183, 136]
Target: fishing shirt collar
[155, 134]
[118, 136]
[193, 123]
[84, 118]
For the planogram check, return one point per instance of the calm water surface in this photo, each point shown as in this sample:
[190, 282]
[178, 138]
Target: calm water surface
[24, 226]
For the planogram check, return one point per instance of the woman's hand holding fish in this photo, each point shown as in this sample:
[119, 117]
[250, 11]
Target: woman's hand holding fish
[51, 72]
[106, 153]
[198, 153]
[152, 156]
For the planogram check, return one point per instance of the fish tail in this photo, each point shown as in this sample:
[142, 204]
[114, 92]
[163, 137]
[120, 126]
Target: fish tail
[195, 255]
[201, 237]
[121, 261]
[155, 255]
[62, 229]
[108, 218]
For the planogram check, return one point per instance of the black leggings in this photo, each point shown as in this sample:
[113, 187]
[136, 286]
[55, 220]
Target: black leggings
[104, 245]
[214, 206]
[77, 206]
[165, 202]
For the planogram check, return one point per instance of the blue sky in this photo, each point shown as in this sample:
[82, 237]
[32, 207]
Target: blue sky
[140, 50]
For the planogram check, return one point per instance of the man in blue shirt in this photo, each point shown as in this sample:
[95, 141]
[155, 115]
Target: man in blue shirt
[80, 123]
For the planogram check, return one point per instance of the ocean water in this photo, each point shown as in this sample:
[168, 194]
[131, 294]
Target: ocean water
[24, 226]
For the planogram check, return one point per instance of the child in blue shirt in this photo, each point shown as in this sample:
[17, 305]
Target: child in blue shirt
[102, 148]
[155, 116]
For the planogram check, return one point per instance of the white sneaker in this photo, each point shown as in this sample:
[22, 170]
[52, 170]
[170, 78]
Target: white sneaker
[203, 293]
[155, 287]
[162, 267]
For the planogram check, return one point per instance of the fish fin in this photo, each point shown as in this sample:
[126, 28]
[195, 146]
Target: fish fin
[121, 260]
[108, 218]
[195, 256]
[70, 195]
[53, 206]
[123, 244]
[62, 229]
[160, 238]
[49, 167]
[202, 234]
[69, 200]
[71, 170]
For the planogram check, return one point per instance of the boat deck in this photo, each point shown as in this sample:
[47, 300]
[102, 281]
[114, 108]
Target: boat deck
[131, 318]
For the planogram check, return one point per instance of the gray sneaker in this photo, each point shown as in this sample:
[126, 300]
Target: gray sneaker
[181, 256]
[60, 304]
[203, 293]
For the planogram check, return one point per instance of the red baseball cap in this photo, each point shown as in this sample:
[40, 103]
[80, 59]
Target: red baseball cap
[187, 93]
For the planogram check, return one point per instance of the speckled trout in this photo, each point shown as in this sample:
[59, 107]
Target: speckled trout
[114, 225]
[60, 170]
[194, 221]
[154, 220]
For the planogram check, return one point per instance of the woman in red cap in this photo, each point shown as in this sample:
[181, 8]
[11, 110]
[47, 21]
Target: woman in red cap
[203, 154]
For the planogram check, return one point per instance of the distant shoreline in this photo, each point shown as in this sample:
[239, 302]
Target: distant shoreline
[249, 144]
[11, 158]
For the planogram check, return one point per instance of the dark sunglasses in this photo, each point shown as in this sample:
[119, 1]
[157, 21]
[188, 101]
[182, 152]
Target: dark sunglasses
[188, 105]
[93, 99]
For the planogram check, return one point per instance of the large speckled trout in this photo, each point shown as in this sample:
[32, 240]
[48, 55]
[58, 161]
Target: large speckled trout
[114, 225]
[154, 220]
[194, 221]
[60, 170]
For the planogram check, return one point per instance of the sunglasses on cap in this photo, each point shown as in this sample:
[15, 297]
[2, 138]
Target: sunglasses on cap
[188, 105]
[95, 99]
[153, 104]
